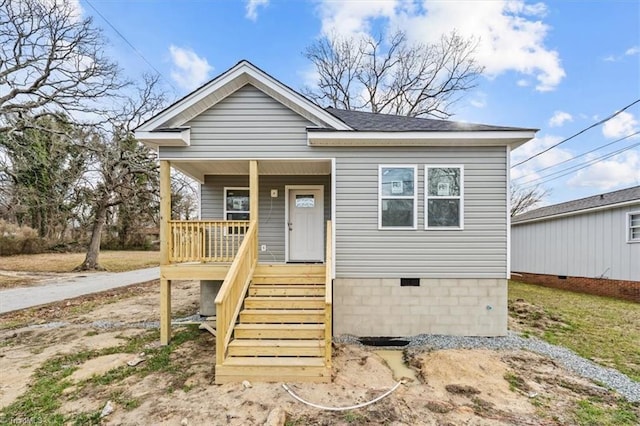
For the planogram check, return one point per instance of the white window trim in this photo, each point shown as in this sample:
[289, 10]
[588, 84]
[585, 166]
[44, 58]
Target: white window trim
[224, 200]
[413, 197]
[459, 197]
[628, 227]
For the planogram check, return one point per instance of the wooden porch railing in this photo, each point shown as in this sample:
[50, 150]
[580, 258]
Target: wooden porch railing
[328, 302]
[234, 288]
[205, 240]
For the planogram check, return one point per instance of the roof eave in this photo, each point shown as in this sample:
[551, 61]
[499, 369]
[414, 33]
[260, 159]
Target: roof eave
[411, 138]
[514, 221]
[164, 138]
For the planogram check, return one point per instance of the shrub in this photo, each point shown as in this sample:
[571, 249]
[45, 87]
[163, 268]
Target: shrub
[16, 239]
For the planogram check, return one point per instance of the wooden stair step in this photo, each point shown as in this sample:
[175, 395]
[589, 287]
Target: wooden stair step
[282, 316]
[279, 331]
[273, 361]
[288, 279]
[278, 374]
[292, 302]
[286, 290]
[300, 269]
[276, 347]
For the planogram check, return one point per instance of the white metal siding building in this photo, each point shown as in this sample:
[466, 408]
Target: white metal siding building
[594, 237]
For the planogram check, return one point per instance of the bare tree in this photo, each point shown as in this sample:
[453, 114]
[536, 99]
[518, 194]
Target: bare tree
[526, 198]
[50, 60]
[184, 196]
[126, 171]
[392, 75]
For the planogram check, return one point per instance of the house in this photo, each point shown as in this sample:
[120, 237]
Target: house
[590, 245]
[322, 222]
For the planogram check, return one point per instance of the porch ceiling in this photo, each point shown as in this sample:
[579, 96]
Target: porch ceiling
[197, 169]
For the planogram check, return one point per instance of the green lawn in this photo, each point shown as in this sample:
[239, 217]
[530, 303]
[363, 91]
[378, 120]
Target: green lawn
[602, 329]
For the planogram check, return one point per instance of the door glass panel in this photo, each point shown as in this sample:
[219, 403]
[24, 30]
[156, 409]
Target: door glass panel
[305, 201]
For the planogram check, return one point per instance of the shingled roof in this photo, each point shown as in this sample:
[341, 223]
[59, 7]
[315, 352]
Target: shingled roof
[602, 200]
[375, 122]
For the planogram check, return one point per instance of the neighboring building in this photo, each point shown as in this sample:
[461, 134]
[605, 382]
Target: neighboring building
[373, 224]
[590, 245]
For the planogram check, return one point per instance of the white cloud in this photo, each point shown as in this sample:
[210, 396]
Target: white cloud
[73, 6]
[621, 125]
[189, 70]
[547, 159]
[510, 32]
[479, 100]
[252, 8]
[618, 171]
[523, 82]
[559, 118]
[633, 50]
[353, 17]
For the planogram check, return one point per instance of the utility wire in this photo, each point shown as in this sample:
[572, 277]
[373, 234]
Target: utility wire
[579, 133]
[578, 156]
[572, 169]
[130, 44]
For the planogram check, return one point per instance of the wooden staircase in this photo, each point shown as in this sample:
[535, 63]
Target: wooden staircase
[282, 329]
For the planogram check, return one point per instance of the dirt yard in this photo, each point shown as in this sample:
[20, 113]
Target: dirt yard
[63, 363]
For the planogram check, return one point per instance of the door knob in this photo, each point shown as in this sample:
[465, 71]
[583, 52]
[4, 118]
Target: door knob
[290, 226]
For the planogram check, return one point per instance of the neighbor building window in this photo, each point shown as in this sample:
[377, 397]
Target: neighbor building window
[634, 227]
[236, 203]
[398, 202]
[444, 197]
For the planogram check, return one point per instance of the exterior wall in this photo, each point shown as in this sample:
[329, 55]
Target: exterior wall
[380, 307]
[478, 251]
[628, 290]
[250, 124]
[271, 223]
[591, 245]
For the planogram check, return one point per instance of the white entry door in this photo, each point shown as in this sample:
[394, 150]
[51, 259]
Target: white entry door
[305, 224]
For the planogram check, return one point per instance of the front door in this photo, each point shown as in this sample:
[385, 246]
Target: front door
[305, 224]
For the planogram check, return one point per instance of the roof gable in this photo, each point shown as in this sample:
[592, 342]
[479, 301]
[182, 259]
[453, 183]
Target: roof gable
[601, 201]
[229, 82]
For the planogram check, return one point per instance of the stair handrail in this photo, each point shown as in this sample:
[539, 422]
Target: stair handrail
[328, 301]
[233, 290]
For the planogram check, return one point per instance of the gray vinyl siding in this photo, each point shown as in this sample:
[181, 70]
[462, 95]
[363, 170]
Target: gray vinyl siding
[478, 251]
[271, 223]
[250, 124]
[592, 245]
[246, 124]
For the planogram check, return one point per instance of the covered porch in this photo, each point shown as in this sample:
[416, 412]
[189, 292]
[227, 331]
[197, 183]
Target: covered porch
[250, 212]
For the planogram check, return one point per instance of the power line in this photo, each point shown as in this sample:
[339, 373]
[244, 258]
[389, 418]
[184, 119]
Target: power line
[572, 169]
[130, 44]
[577, 134]
[578, 156]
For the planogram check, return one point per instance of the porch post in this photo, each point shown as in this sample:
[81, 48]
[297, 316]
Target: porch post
[165, 235]
[253, 191]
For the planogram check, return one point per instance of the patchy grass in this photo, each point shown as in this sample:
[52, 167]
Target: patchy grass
[113, 261]
[602, 329]
[592, 412]
[40, 404]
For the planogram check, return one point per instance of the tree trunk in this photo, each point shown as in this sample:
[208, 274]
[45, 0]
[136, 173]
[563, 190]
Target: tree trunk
[91, 259]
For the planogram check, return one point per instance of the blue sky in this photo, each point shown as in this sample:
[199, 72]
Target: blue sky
[558, 66]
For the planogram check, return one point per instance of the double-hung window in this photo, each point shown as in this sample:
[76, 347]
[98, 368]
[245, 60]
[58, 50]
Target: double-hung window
[633, 229]
[236, 203]
[397, 197]
[236, 207]
[444, 197]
